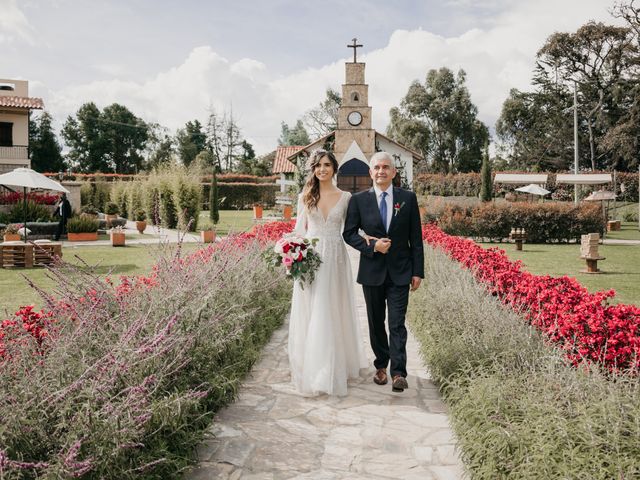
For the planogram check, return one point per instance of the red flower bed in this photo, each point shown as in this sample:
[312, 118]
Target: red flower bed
[29, 326]
[11, 198]
[581, 323]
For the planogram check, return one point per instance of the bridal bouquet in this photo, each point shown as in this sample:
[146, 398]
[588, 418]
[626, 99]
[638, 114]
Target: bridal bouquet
[297, 255]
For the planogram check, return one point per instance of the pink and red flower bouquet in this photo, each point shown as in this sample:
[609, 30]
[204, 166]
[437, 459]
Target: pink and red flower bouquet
[298, 257]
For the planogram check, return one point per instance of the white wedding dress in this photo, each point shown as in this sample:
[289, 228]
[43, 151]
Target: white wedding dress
[325, 344]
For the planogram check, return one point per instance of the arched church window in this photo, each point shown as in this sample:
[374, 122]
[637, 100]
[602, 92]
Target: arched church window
[355, 97]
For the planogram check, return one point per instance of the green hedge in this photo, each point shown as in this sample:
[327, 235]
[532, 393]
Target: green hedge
[96, 194]
[517, 409]
[239, 195]
[468, 185]
[543, 222]
[36, 212]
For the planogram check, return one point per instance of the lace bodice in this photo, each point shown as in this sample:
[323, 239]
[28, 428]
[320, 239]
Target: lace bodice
[311, 222]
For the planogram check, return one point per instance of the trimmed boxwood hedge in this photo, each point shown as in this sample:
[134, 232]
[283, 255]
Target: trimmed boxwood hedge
[543, 222]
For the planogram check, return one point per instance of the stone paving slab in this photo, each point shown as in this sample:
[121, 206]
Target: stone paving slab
[271, 432]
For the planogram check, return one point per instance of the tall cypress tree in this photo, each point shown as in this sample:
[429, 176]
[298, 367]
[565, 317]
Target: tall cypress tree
[214, 214]
[486, 190]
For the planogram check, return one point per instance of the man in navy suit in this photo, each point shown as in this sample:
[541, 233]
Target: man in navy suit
[391, 263]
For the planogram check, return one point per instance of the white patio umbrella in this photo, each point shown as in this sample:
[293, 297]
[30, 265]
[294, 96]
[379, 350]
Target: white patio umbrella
[602, 196]
[533, 189]
[27, 178]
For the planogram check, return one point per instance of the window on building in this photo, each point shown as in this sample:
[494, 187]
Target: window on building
[355, 97]
[6, 134]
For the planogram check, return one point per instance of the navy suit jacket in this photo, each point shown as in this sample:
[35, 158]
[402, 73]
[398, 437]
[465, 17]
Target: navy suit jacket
[405, 258]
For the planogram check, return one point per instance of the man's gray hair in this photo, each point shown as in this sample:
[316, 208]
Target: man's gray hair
[381, 156]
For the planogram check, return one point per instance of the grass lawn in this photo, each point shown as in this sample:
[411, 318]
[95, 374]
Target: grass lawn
[628, 231]
[621, 267]
[235, 221]
[129, 260]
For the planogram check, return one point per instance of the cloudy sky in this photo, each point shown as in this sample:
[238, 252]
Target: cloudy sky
[270, 60]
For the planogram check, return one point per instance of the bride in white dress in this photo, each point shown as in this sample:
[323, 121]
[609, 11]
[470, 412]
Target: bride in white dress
[325, 344]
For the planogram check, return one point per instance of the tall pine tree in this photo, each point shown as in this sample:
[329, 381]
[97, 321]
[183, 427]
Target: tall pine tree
[486, 190]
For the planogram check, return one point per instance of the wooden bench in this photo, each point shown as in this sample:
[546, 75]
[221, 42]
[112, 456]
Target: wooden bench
[27, 255]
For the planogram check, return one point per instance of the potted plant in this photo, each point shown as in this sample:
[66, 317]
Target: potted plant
[117, 236]
[10, 233]
[89, 210]
[82, 228]
[141, 217]
[257, 211]
[111, 212]
[207, 232]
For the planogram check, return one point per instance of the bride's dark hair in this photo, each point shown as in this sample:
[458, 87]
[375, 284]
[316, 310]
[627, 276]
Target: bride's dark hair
[311, 190]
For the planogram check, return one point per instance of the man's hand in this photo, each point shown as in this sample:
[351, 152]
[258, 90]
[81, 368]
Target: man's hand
[415, 283]
[382, 246]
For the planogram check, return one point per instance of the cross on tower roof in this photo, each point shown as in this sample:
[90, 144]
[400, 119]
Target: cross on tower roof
[354, 46]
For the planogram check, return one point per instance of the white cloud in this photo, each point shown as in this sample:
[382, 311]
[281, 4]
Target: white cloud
[496, 58]
[13, 23]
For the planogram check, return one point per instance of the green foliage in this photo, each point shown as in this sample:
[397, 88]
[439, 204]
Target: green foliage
[36, 212]
[83, 224]
[191, 140]
[135, 197]
[96, 193]
[323, 119]
[168, 212]
[141, 215]
[293, 136]
[111, 208]
[486, 189]
[214, 207]
[45, 151]
[187, 194]
[245, 195]
[89, 209]
[543, 222]
[105, 141]
[119, 194]
[439, 120]
[518, 410]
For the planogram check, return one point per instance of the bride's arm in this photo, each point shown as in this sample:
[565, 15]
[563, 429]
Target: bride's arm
[301, 218]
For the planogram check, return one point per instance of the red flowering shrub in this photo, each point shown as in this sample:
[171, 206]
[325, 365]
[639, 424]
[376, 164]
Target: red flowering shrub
[11, 198]
[581, 323]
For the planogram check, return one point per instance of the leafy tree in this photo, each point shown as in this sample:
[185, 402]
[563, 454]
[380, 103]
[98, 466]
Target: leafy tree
[107, 141]
[161, 147]
[598, 58]
[486, 188]
[294, 136]
[536, 131]
[443, 118]
[45, 151]
[191, 140]
[323, 119]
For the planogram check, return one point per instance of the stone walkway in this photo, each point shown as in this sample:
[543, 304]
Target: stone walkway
[271, 432]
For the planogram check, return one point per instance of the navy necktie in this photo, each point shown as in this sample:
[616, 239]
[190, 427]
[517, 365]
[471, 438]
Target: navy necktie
[383, 210]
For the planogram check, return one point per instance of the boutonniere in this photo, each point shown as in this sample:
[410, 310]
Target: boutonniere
[397, 207]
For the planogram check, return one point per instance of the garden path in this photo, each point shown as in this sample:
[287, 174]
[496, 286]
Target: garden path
[270, 432]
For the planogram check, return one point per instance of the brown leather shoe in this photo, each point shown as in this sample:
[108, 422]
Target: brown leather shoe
[399, 383]
[380, 377]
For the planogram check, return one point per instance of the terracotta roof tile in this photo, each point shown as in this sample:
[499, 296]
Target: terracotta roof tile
[280, 163]
[21, 102]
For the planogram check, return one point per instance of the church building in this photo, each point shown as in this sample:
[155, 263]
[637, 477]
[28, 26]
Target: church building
[355, 141]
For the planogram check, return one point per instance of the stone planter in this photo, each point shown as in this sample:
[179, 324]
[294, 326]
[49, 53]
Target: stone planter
[117, 239]
[141, 225]
[11, 237]
[208, 236]
[82, 237]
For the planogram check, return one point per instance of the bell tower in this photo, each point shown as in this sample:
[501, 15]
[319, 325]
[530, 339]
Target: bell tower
[354, 115]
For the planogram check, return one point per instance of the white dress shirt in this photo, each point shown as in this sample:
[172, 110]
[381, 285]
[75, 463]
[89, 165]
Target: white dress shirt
[389, 200]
